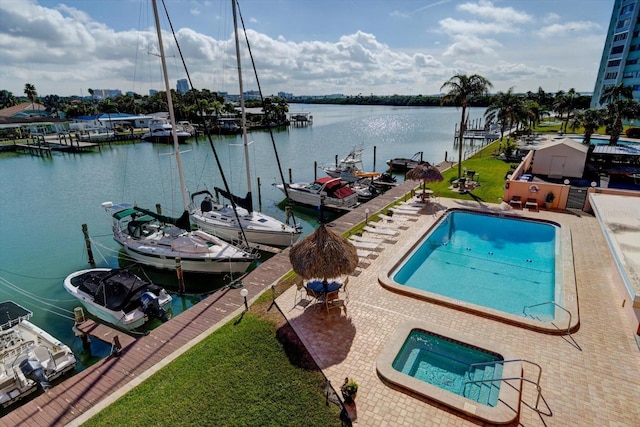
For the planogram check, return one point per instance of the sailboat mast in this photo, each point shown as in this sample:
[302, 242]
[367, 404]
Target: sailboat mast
[172, 116]
[242, 107]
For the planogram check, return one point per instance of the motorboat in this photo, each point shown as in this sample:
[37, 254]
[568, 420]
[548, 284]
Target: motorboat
[30, 357]
[327, 191]
[350, 168]
[238, 221]
[96, 135]
[161, 131]
[401, 164]
[225, 221]
[118, 296]
[160, 241]
[187, 127]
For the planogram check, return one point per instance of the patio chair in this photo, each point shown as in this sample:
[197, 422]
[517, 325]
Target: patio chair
[516, 202]
[531, 204]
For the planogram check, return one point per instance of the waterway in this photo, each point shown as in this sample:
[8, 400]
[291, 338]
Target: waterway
[45, 200]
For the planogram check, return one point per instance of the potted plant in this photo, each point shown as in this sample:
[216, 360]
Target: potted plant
[549, 199]
[349, 390]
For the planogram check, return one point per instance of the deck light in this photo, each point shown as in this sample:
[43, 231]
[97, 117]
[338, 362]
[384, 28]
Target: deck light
[244, 292]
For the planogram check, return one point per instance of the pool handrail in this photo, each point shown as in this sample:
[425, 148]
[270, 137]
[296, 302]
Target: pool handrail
[538, 387]
[524, 311]
[536, 383]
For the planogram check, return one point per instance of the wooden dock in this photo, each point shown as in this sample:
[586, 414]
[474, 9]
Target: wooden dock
[67, 401]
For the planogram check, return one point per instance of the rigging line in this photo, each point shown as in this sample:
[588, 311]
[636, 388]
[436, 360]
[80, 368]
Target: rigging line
[30, 295]
[29, 277]
[207, 133]
[273, 141]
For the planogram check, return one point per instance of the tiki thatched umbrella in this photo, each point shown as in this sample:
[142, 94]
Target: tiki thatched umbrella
[323, 254]
[425, 173]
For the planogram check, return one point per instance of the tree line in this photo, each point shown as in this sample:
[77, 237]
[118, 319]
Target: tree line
[192, 105]
[507, 109]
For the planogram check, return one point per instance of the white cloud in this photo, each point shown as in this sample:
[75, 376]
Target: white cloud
[565, 29]
[504, 15]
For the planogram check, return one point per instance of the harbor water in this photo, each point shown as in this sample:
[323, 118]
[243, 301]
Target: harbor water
[46, 200]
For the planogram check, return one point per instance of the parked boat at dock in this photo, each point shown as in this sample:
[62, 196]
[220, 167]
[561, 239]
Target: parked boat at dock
[96, 135]
[161, 130]
[239, 221]
[401, 164]
[329, 192]
[30, 357]
[158, 241]
[118, 296]
[350, 168]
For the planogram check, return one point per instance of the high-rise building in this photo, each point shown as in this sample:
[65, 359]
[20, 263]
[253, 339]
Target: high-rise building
[620, 61]
[182, 86]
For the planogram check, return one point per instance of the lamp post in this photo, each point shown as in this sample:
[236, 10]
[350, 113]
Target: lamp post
[366, 216]
[244, 292]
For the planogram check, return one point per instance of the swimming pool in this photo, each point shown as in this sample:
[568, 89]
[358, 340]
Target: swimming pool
[461, 373]
[502, 266]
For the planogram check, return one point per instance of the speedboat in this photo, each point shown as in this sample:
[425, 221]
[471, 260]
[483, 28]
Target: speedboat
[29, 356]
[350, 168]
[160, 241]
[401, 164]
[161, 130]
[328, 192]
[221, 220]
[118, 296]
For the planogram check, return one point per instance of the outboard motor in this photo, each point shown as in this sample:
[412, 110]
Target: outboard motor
[33, 370]
[151, 307]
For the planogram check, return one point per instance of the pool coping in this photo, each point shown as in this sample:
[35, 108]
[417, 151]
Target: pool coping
[566, 294]
[506, 410]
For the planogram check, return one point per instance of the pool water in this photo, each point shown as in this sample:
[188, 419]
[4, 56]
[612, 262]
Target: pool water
[449, 365]
[502, 263]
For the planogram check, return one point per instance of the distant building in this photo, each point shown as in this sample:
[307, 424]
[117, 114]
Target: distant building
[285, 95]
[152, 92]
[182, 86]
[621, 53]
[106, 93]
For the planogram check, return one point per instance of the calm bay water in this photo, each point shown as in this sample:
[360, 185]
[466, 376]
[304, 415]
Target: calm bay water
[45, 201]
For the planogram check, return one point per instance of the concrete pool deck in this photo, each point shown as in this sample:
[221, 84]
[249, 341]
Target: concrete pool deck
[590, 378]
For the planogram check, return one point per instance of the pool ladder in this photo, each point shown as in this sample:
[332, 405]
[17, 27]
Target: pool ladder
[536, 383]
[524, 311]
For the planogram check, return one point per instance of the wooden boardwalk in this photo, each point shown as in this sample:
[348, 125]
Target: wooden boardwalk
[68, 400]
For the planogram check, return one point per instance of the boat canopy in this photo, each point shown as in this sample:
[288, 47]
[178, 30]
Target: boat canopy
[244, 202]
[14, 314]
[182, 222]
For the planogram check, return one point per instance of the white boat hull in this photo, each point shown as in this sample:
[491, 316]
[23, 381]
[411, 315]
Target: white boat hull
[299, 194]
[120, 319]
[258, 228]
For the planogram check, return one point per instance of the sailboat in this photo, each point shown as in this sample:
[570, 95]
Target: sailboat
[163, 242]
[230, 221]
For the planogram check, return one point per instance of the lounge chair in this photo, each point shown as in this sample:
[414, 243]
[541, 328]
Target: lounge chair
[531, 204]
[516, 202]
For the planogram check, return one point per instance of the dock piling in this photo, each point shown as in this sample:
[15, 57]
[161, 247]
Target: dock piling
[87, 242]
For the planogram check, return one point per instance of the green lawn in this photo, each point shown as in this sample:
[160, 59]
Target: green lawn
[238, 376]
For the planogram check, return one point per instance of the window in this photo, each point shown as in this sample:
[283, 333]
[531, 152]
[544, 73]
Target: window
[629, 75]
[623, 23]
[611, 76]
[632, 48]
[617, 49]
[621, 36]
[636, 88]
[636, 34]
[615, 63]
[626, 9]
[630, 61]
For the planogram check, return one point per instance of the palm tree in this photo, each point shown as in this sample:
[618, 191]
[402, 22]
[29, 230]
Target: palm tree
[462, 87]
[108, 106]
[7, 99]
[620, 105]
[590, 120]
[503, 110]
[30, 91]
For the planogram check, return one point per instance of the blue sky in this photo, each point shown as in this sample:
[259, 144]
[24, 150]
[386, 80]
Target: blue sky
[304, 47]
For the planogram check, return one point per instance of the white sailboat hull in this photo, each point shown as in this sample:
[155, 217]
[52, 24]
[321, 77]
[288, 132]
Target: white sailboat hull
[258, 228]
